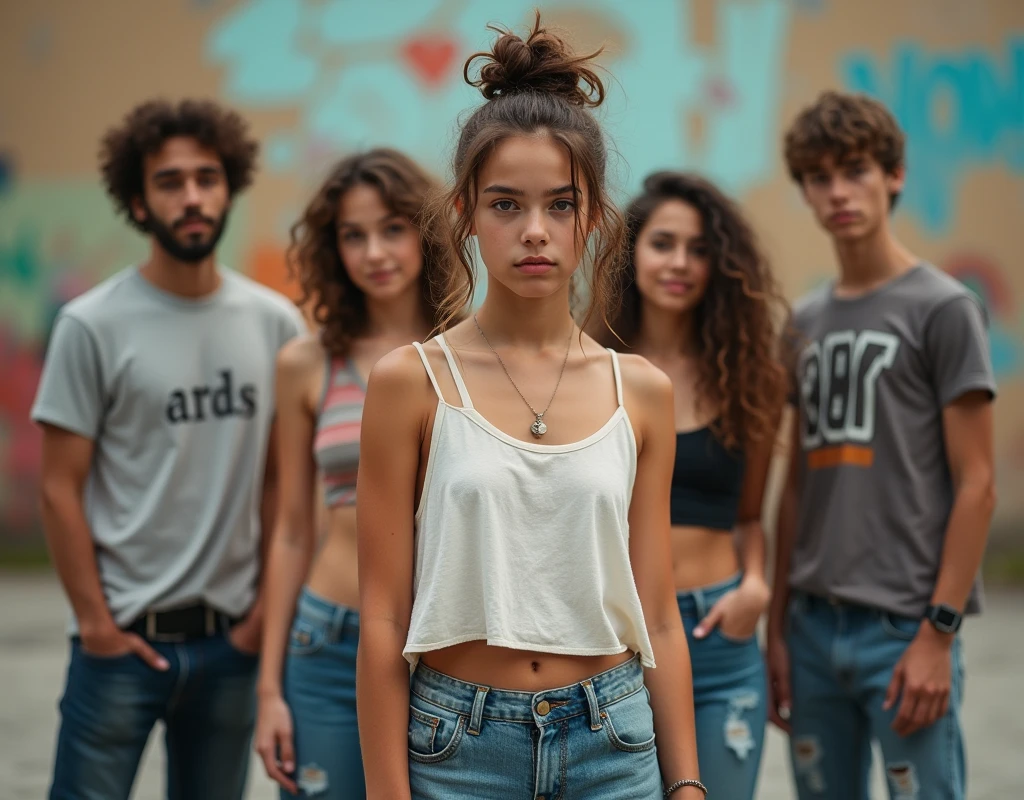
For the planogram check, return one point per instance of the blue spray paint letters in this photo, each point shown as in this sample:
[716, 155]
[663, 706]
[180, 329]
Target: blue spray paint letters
[959, 110]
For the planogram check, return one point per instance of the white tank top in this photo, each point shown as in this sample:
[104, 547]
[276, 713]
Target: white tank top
[525, 545]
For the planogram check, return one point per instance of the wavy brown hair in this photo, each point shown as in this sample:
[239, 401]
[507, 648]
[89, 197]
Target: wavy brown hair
[841, 125]
[338, 305]
[741, 371]
[533, 84]
[145, 129]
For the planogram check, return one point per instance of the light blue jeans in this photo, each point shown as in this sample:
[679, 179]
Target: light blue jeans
[207, 700]
[593, 740]
[320, 689]
[841, 661]
[729, 697]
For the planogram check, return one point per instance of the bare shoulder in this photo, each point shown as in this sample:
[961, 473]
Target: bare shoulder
[644, 381]
[300, 356]
[399, 376]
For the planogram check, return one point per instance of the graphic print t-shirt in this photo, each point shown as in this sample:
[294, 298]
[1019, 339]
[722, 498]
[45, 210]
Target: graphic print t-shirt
[177, 397]
[873, 376]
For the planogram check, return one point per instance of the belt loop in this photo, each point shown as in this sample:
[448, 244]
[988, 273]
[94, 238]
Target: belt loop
[595, 711]
[210, 621]
[701, 604]
[476, 716]
[338, 622]
[150, 625]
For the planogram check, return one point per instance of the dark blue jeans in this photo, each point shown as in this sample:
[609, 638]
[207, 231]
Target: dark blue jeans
[206, 700]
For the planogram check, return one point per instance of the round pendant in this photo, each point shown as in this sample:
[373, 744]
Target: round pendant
[538, 428]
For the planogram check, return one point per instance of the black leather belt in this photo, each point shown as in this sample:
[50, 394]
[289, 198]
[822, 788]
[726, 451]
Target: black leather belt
[181, 624]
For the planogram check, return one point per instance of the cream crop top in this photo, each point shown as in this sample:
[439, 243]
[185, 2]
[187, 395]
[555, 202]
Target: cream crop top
[525, 545]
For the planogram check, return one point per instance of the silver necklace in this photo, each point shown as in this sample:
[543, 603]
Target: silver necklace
[538, 428]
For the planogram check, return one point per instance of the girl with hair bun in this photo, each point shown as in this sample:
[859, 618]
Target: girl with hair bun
[514, 480]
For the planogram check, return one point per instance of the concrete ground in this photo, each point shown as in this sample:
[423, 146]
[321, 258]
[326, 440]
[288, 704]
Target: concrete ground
[33, 652]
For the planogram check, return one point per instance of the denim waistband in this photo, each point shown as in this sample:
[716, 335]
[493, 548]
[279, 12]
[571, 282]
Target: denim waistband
[697, 602]
[334, 616]
[504, 705]
[806, 601]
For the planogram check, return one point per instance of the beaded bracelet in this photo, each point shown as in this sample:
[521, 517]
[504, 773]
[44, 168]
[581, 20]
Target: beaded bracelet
[688, 782]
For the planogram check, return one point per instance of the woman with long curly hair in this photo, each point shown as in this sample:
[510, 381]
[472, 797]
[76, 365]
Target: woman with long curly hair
[699, 301]
[360, 258]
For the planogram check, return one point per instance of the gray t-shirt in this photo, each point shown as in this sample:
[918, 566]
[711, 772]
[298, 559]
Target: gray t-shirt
[177, 396]
[873, 376]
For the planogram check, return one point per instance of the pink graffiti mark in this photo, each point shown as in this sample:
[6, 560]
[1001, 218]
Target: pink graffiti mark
[720, 92]
[985, 277]
[20, 459]
[430, 57]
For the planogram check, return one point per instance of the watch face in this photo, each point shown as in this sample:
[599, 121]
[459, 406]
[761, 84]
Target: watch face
[945, 617]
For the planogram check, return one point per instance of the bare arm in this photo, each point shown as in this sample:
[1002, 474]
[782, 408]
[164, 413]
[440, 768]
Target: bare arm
[248, 634]
[967, 425]
[393, 430]
[780, 695]
[922, 679]
[290, 551]
[66, 461]
[785, 530]
[670, 684]
[738, 612]
[749, 528]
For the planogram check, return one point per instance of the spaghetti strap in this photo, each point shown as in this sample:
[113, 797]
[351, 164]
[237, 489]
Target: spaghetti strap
[618, 375]
[430, 372]
[456, 375]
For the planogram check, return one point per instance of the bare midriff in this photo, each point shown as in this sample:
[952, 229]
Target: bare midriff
[335, 572]
[517, 670]
[702, 556]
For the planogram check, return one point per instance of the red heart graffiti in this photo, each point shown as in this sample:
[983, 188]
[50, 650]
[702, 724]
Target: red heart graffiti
[430, 58]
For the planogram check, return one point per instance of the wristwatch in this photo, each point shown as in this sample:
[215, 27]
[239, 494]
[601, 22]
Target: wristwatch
[946, 619]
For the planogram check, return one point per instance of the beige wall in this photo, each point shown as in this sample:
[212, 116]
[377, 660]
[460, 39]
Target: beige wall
[702, 84]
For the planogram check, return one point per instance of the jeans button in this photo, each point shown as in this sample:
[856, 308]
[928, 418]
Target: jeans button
[543, 707]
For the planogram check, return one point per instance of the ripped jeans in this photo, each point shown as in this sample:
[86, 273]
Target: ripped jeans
[841, 661]
[320, 689]
[729, 697]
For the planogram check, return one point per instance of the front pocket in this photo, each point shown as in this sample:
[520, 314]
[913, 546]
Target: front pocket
[732, 639]
[434, 738]
[903, 628]
[630, 723]
[306, 637]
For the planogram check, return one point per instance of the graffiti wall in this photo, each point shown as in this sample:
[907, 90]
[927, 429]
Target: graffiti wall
[700, 84]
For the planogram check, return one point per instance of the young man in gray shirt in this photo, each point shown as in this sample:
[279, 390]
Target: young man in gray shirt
[156, 404]
[890, 490]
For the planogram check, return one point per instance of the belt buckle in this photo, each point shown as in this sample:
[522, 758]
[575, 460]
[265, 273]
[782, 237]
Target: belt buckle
[155, 636]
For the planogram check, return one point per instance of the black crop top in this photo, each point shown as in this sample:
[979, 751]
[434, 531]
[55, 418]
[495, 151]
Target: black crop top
[706, 482]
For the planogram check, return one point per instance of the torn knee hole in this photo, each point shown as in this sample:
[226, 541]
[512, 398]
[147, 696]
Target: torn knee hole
[807, 755]
[312, 779]
[738, 736]
[902, 780]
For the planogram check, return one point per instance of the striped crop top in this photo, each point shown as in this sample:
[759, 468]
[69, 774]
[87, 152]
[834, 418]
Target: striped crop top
[336, 443]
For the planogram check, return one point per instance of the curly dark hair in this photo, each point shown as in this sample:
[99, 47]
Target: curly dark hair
[339, 306]
[147, 126]
[741, 372]
[840, 125]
